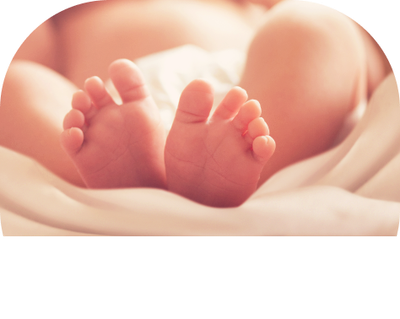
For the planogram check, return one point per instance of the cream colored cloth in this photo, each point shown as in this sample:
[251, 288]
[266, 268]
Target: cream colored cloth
[297, 200]
[168, 72]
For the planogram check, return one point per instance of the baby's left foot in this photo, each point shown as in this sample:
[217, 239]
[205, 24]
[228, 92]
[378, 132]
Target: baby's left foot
[116, 145]
[216, 160]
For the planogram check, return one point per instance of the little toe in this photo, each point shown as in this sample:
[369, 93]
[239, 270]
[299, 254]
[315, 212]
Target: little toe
[128, 80]
[195, 102]
[72, 140]
[248, 112]
[74, 118]
[96, 89]
[263, 148]
[231, 104]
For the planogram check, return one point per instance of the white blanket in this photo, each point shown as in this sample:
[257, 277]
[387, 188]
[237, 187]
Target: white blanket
[365, 166]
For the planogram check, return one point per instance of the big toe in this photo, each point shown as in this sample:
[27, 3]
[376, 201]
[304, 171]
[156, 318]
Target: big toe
[195, 103]
[128, 80]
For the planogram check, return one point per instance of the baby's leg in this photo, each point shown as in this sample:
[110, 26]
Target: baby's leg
[95, 34]
[33, 103]
[307, 68]
[116, 145]
[40, 46]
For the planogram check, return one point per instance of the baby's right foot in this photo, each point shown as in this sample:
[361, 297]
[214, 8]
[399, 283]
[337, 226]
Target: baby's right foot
[116, 145]
[216, 160]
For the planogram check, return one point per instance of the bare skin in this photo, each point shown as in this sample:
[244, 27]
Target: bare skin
[215, 161]
[112, 145]
[303, 116]
[144, 27]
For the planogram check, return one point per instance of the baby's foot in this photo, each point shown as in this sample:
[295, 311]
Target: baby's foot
[216, 160]
[116, 145]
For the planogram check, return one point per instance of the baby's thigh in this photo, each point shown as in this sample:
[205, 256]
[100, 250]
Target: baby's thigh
[307, 67]
[40, 46]
[307, 58]
[96, 34]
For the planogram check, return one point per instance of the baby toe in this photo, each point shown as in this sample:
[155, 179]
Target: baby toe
[231, 104]
[74, 118]
[71, 140]
[81, 101]
[248, 112]
[263, 148]
[128, 81]
[96, 89]
[257, 127]
[195, 103]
